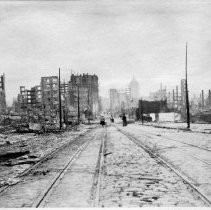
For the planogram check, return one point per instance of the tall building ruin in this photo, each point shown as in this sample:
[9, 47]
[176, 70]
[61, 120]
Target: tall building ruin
[86, 86]
[50, 95]
[2, 95]
[43, 100]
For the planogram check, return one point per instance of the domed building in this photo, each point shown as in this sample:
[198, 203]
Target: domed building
[134, 89]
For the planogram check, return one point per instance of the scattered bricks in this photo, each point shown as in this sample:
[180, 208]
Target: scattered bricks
[8, 142]
[135, 194]
[3, 136]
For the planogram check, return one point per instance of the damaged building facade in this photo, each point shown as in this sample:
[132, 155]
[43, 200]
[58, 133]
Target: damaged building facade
[2, 95]
[86, 87]
[43, 100]
[50, 96]
[29, 101]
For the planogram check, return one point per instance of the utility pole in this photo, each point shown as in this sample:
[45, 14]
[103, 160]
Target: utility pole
[177, 98]
[88, 106]
[142, 119]
[173, 104]
[44, 117]
[65, 100]
[202, 99]
[60, 105]
[186, 86]
[78, 105]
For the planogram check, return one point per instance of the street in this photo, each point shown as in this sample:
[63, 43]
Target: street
[115, 166]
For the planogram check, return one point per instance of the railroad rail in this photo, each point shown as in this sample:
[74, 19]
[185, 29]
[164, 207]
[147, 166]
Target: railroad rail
[149, 134]
[167, 138]
[98, 174]
[174, 128]
[178, 173]
[45, 157]
[42, 198]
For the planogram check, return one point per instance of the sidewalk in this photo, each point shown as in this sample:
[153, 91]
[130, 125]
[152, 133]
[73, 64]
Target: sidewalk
[201, 128]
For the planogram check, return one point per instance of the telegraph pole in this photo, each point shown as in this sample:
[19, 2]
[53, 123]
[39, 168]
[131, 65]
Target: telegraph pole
[142, 110]
[186, 86]
[88, 107]
[60, 105]
[78, 105]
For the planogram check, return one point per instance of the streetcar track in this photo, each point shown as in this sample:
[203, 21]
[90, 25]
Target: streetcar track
[194, 189]
[46, 194]
[184, 151]
[203, 161]
[95, 191]
[167, 138]
[45, 158]
[177, 129]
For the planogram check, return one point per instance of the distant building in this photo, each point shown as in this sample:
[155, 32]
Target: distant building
[124, 98]
[159, 95]
[43, 100]
[2, 94]
[134, 89]
[88, 88]
[29, 101]
[208, 100]
[114, 100]
[120, 100]
[104, 104]
[36, 96]
[50, 95]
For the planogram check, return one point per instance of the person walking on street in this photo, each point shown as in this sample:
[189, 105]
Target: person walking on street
[112, 119]
[102, 121]
[124, 120]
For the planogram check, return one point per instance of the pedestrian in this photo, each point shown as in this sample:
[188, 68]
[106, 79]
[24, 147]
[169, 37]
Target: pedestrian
[111, 119]
[124, 120]
[102, 121]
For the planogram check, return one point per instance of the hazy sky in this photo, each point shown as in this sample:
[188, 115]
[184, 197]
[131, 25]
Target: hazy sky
[113, 39]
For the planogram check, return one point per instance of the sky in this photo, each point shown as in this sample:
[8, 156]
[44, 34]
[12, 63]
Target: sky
[116, 40]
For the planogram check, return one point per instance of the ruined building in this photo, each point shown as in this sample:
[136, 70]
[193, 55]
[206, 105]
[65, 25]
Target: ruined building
[39, 100]
[87, 87]
[43, 100]
[29, 101]
[120, 100]
[2, 95]
[50, 95]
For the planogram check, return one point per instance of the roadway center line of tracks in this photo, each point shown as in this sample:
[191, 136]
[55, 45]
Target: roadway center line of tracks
[194, 189]
[101, 162]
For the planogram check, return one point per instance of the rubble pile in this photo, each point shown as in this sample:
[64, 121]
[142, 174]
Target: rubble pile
[19, 151]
